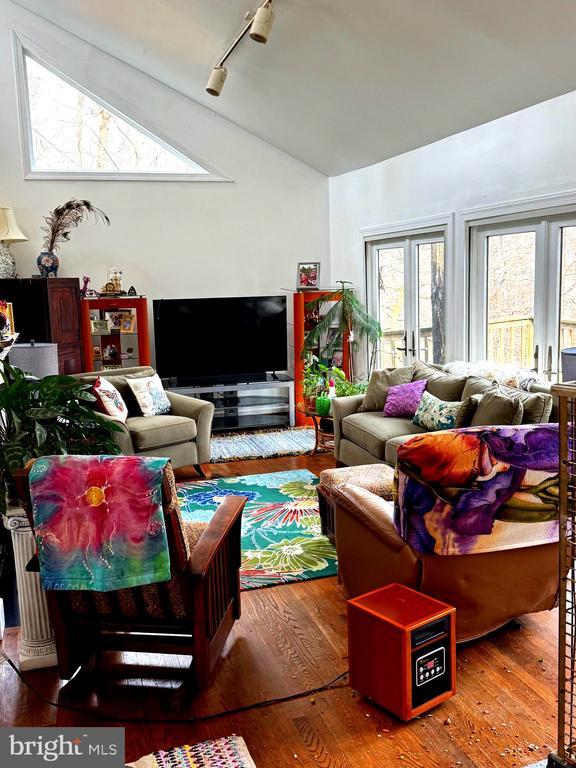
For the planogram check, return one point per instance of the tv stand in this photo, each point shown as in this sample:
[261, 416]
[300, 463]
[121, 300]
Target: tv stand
[249, 404]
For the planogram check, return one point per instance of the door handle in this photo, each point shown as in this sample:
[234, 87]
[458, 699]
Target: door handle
[413, 347]
[405, 347]
[549, 372]
[536, 355]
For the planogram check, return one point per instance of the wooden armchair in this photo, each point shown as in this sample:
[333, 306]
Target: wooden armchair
[192, 614]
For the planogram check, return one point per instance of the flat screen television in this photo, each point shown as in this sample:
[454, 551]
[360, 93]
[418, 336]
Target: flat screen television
[220, 340]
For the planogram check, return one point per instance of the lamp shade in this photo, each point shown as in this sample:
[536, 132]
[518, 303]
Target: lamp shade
[38, 359]
[10, 232]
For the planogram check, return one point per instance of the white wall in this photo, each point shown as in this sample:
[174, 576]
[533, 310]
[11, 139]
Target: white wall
[527, 154]
[172, 239]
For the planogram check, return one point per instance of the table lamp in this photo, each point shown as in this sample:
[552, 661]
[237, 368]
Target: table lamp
[10, 232]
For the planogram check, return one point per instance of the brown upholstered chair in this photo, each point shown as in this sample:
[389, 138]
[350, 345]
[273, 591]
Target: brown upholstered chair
[192, 614]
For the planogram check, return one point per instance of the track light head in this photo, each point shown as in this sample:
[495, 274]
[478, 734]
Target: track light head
[216, 81]
[262, 23]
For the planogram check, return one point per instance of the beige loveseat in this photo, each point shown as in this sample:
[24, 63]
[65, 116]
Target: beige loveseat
[363, 435]
[183, 435]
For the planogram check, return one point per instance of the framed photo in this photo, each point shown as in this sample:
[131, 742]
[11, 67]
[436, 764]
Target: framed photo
[99, 327]
[6, 318]
[97, 353]
[114, 319]
[332, 336]
[308, 275]
[338, 358]
[127, 323]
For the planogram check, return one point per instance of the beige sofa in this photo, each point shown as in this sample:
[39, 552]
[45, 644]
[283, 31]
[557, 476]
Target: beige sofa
[183, 435]
[363, 435]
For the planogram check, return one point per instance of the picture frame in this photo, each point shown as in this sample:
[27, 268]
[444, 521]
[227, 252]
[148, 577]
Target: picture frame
[97, 352]
[7, 318]
[308, 277]
[99, 327]
[128, 323]
[114, 320]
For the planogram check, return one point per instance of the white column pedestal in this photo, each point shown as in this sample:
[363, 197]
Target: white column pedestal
[37, 646]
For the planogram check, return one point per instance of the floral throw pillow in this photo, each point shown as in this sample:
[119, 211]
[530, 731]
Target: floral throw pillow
[435, 414]
[402, 400]
[109, 400]
[149, 394]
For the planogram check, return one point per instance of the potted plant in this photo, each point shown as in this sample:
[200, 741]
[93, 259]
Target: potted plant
[344, 386]
[348, 316]
[314, 382]
[41, 417]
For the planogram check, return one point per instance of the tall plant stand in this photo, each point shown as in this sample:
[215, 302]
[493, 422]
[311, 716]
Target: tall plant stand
[37, 646]
[566, 750]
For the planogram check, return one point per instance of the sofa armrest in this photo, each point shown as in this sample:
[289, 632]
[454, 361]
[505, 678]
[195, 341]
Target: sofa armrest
[372, 511]
[122, 437]
[342, 407]
[202, 412]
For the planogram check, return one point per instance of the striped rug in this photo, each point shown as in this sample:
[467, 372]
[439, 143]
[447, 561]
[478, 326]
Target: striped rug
[235, 446]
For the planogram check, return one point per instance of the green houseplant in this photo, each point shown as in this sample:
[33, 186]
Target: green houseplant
[41, 417]
[348, 316]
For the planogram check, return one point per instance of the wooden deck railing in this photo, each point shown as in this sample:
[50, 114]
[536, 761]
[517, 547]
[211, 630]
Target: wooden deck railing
[509, 340]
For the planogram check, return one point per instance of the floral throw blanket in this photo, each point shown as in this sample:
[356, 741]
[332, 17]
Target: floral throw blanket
[479, 489]
[99, 521]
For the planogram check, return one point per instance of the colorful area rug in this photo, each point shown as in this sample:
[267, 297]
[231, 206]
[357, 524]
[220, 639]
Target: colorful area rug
[235, 446]
[229, 752]
[281, 539]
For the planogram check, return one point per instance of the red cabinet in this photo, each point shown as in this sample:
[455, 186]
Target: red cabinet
[131, 341]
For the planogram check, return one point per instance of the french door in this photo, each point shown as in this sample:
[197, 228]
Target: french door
[523, 293]
[406, 293]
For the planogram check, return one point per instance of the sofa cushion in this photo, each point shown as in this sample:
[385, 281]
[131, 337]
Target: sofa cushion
[442, 385]
[372, 430]
[158, 431]
[119, 381]
[496, 408]
[537, 405]
[435, 414]
[392, 445]
[378, 386]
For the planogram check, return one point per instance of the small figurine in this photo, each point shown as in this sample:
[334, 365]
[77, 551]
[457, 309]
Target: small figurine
[84, 289]
[132, 291]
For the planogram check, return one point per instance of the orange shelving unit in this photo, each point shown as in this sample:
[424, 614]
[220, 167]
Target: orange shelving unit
[140, 336]
[301, 328]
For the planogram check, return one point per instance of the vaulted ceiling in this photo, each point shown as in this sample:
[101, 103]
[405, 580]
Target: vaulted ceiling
[344, 83]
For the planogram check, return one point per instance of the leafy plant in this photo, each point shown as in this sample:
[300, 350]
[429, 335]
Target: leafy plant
[344, 386]
[66, 217]
[349, 316]
[317, 376]
[41, 417]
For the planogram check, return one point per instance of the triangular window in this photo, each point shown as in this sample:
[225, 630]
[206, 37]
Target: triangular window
[71, 132]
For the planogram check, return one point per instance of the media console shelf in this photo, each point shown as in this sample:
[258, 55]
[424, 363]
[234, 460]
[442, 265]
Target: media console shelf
[249, 405]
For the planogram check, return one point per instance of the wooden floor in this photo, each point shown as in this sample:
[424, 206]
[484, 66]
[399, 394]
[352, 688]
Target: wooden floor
[293, 638]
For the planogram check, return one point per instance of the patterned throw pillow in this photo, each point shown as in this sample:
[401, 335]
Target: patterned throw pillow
[402, 400]
[434, 414]
[109, 400]
[149, 394]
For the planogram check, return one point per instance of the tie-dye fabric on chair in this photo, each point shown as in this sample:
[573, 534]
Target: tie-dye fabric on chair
[479, 489]
[99, 522]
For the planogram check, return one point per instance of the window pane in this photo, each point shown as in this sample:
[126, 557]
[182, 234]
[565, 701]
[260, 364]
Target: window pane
[391, 305]
[511, 269]
[568, 289]
[431, 304]
[72, 132]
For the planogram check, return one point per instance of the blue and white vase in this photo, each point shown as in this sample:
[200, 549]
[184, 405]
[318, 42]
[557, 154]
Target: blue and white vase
[48, 264]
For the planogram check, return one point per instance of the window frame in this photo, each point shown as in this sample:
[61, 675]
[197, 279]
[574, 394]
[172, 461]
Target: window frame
[24, 48]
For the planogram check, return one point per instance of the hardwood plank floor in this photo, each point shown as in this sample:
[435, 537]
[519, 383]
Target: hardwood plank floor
[292, 638]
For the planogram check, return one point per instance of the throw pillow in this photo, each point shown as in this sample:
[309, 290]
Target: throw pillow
[442, 385]
[496, 408]
[108, 399]
[380, 382]
[149, 394]
[537, 406]
[435, 414]
[402, 400]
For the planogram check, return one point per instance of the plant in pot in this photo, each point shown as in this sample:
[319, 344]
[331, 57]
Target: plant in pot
[42, 417]
[314, 381]
[344, 386]
[348, 316]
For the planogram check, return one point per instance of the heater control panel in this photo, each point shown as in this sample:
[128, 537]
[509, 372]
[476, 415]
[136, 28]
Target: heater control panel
[430, 666]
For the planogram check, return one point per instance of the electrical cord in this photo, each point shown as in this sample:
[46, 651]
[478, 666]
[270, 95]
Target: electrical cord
[202, 718]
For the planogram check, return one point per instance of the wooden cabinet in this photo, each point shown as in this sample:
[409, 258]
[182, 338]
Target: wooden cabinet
[131, 343]
[48, 310]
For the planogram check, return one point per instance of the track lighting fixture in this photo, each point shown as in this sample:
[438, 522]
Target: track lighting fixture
[259, 25]
[262, 24]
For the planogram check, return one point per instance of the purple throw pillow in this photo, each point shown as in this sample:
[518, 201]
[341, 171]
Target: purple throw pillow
[403, 399]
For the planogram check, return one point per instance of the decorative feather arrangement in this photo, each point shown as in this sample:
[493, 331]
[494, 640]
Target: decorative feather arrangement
[66, 217]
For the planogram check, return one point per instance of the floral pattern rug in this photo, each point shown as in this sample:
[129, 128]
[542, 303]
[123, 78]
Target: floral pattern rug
[281, 539]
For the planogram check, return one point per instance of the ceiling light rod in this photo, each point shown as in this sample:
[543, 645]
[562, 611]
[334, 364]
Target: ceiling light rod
[250, 18]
